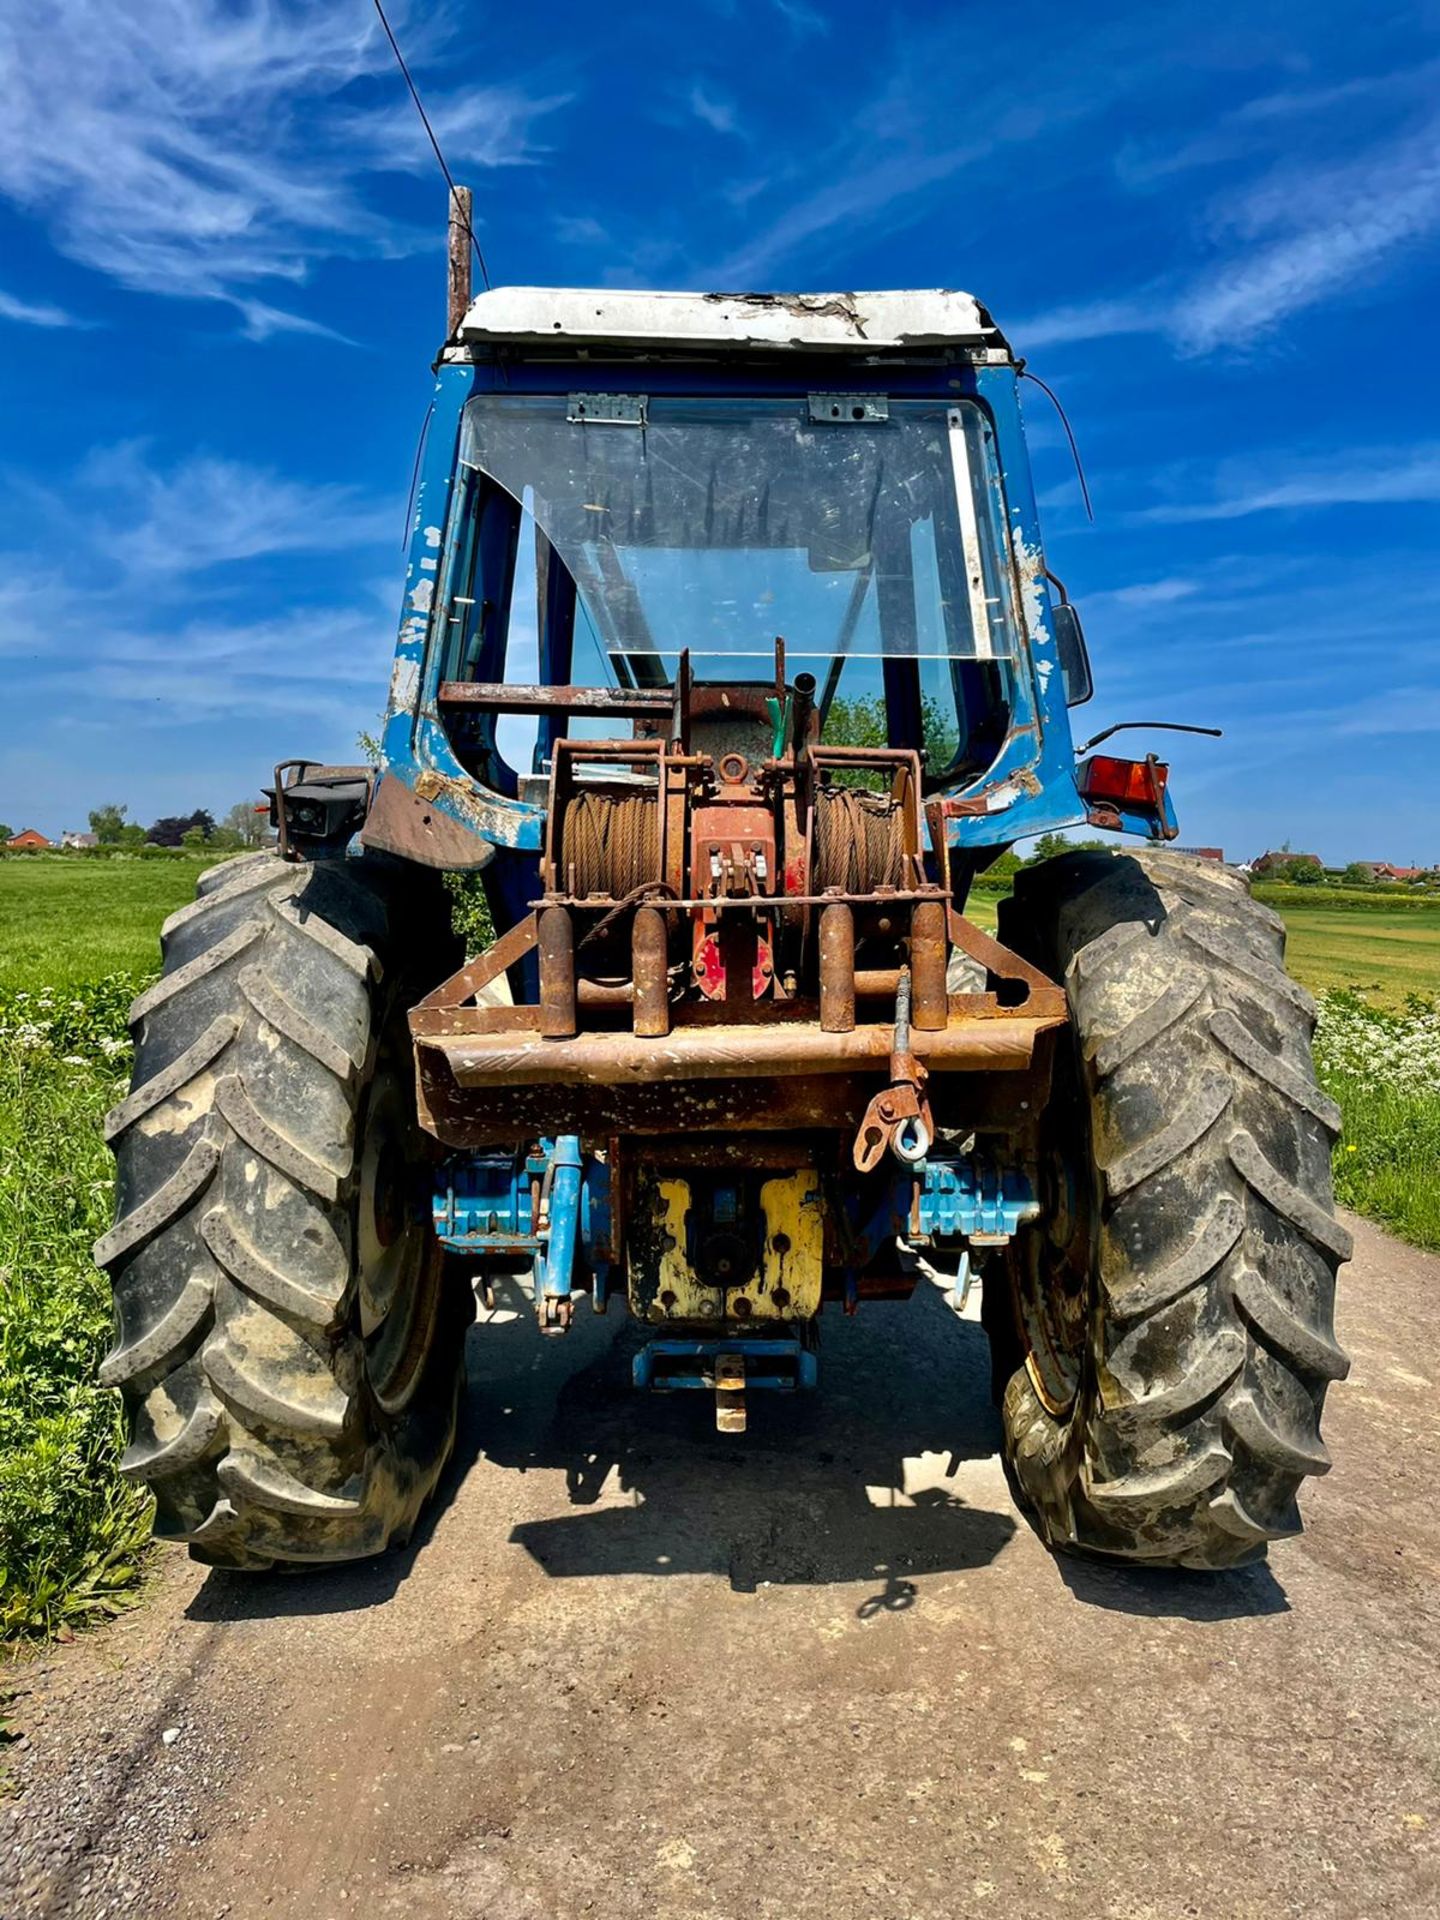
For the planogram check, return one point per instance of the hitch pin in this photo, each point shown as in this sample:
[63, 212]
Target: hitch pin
[730, 1393]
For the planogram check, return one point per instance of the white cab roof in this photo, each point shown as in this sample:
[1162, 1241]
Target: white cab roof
[808, 322]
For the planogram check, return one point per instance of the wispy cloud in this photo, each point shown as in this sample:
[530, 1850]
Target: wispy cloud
[898, 145]
[1146, 593]
[580, 230]
[801, 20]
[207, 511]
[1294, 238]
[1399, 710]
[1308, 235]
[317, 666]
[483, 126]
[712, 110]
[1089, 320]
[148, 621]
[204, 148]
[33, 313]
[1277, 122]
[1377, 476]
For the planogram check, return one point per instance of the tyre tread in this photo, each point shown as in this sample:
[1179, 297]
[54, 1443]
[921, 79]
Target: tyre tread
[1213, 1343]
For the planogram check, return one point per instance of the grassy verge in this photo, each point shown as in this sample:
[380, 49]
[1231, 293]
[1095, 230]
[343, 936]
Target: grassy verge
[1384, 1070]
[72, 1534]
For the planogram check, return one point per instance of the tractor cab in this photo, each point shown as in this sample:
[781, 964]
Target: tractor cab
[624, 491]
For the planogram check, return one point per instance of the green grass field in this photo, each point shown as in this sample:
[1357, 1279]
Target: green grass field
[63, 922]
[1384, 955]
[1384, 949]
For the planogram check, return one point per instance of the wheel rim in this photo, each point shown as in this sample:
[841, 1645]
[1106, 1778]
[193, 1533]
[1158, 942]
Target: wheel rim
[398, 1260]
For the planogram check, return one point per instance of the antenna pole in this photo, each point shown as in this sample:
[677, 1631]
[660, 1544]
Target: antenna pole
[459, 257]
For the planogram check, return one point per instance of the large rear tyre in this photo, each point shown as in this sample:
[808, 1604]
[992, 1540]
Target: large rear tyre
[286, 1344]
[1167, 1332]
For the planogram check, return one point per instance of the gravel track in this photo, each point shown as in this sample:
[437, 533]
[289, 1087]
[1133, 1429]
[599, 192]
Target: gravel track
[635, 1668]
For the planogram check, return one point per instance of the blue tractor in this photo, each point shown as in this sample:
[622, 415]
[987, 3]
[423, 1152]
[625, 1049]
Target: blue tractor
[729, 659]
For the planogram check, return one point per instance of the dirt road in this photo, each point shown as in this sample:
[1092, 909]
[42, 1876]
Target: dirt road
[636, 1669]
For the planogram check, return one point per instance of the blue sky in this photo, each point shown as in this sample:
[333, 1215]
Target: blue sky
[1216, 230]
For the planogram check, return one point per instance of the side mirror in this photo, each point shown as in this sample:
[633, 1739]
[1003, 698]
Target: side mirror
[1074, 659]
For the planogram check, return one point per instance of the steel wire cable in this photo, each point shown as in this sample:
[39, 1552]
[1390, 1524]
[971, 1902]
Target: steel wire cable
[858, 842]
[610, 844]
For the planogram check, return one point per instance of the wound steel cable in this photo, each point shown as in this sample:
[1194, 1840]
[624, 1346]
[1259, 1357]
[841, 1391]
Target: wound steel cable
[610, 844]
[859, 840]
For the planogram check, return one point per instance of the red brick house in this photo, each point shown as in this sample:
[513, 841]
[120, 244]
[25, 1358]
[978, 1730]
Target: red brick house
[1268, 862]
[29, 837]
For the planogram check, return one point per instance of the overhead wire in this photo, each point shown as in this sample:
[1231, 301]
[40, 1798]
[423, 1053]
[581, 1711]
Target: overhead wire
[1054, 398]
[430, 131]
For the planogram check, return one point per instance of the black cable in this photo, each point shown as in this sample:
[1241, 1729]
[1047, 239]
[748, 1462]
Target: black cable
[415, 475]
[1168, 726]
[1026, 374]
[425, 122]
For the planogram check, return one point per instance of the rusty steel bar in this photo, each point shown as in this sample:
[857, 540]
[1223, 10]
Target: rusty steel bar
[496, 696]
[556, 942]
[837, 968]
[604, 993]
[732, 1052]
[929, 957]
[649, 969]
[757, 902]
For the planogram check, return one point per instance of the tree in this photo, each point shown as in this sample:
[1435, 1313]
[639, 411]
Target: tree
[1357, 874]
[1303, 873]
[248, 826]
[170, 830]
[107, 823]
[856, 723]
[6, 833]
[863, 722]
[1050, 846]
[1004, 867]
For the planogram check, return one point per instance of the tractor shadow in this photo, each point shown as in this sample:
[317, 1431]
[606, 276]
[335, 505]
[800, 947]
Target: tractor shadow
[864, 1481]
[843, 1485]
[850, 1483]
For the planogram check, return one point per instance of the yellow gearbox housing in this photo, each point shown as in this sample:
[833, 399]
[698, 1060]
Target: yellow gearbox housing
[725, 1250]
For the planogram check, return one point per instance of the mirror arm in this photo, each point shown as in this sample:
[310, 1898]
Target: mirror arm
[1169, 726]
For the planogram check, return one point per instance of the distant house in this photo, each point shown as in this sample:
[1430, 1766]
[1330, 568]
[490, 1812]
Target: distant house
[1384, 870]
[28, 838]
[1268, 862]
[1204, 853]
[79, 840]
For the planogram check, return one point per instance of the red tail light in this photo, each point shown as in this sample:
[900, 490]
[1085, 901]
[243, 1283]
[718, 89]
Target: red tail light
[1138, 784]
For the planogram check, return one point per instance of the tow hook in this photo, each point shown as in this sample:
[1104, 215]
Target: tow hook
[898, 1119]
